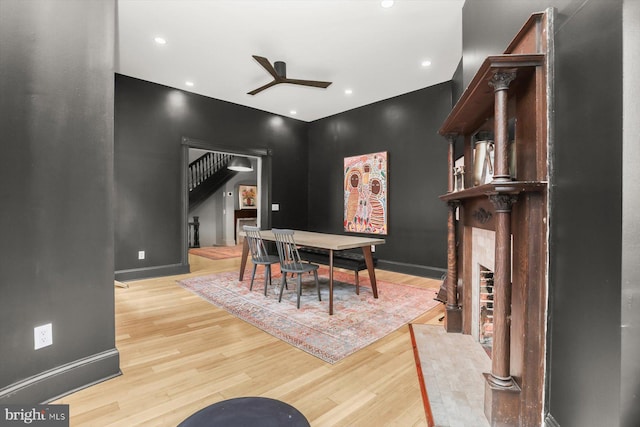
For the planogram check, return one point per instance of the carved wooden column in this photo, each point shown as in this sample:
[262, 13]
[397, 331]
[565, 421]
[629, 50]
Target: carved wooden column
[453, 310]
[502, 394]
[500, 373]
[500, 83]
[501, 391]
[501, 353]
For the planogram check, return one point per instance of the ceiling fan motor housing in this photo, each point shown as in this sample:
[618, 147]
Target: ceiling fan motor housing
[281, 69]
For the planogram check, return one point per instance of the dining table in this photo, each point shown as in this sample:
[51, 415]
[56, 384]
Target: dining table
[330, 243]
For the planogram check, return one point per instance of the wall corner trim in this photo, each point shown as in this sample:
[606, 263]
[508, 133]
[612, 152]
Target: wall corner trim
[147, 272]
[549, 421]
[413, 269]
[62, 380]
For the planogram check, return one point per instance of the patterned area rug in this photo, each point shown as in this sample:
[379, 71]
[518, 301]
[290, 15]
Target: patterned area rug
[218, 252]
[358, 320]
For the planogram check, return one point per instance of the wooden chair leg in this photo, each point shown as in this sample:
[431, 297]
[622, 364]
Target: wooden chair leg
[315, 275]
[253, 274]
[299, 288]
[282, 286]
[357, 283]
[267, 277]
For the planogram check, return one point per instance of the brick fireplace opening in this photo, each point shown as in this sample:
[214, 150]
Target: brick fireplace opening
[483, 260]
[485, 323]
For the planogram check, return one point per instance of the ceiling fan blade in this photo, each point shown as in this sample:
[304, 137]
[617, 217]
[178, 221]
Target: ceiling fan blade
[266, 65]
[261, 88]
[313, 83]
[281, 77]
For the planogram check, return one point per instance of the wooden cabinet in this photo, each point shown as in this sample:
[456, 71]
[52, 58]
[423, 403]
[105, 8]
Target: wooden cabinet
[506, 108]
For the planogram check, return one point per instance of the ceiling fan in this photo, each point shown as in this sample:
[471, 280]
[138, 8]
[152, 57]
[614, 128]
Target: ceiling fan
[279, 72]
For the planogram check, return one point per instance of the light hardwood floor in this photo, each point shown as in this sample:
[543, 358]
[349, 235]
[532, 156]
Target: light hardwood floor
[178, 354]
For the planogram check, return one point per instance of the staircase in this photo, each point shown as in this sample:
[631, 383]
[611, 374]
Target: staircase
[206, 175]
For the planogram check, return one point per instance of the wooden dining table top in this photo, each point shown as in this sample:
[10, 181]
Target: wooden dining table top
[336, 242]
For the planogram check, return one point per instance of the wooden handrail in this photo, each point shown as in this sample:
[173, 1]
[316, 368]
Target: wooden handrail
[205, 166]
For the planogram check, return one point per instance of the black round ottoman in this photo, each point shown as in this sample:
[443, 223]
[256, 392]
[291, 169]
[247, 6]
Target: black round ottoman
[247, 412]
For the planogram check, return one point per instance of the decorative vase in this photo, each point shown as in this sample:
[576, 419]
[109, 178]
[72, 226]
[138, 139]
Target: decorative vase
[483, 159]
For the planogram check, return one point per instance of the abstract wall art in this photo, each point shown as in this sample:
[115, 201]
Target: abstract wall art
[365, 193]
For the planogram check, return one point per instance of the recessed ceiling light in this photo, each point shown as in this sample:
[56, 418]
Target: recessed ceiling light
[293, 112]
[348, 91]
[160, 40]
[425, 63]
[386, 3]
[189, 83]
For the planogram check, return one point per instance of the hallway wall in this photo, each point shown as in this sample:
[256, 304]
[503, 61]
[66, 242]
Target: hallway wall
[56, 187]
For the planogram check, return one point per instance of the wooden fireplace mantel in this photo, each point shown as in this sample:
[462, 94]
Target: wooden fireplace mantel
[507, 97]
[476, 103]
[513, 187]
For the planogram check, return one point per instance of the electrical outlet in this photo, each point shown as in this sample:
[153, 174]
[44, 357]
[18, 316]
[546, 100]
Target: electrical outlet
[373, 248]
[42, 336]
[140, 254]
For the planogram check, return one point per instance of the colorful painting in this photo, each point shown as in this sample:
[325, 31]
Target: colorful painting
[365, 193]
[248, 196]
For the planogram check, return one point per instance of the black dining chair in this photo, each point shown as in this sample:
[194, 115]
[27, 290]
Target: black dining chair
[259, 255]
[290, 262]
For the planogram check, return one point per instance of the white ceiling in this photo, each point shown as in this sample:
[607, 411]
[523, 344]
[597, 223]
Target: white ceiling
[356, 44]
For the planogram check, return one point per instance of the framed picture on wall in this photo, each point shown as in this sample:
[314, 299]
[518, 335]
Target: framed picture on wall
[365, 193]
[248, 196]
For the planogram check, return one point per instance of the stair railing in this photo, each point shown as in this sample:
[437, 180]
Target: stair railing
[194, 233]
[205, 166]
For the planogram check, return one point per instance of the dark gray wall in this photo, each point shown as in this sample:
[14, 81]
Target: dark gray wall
[630, 392]
[584, 380]
[489, 25]
[458, 88]
[150, 122]
[56, 190]
[586, 218]
[406, 127]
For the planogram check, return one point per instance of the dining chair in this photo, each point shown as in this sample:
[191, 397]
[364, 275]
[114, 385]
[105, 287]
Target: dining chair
[259, 255]
[290, 261]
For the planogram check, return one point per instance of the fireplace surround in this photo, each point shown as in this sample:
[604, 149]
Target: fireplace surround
[497, 230]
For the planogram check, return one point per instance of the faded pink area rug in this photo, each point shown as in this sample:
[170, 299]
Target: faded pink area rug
[358, 320]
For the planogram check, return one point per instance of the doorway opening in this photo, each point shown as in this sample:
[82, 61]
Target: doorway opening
[221, 213]
[231, 203]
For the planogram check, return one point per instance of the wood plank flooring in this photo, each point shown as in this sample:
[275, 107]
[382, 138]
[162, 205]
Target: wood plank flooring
[178, 354]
